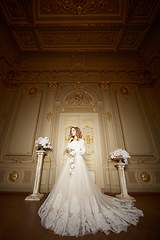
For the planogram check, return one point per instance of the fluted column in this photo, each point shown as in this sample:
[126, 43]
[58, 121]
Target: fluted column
[36, 196]
[124, 194]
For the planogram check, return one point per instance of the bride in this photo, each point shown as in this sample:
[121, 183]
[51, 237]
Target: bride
[75, 205]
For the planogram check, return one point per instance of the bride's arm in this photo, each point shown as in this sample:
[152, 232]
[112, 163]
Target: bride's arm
[82, 147]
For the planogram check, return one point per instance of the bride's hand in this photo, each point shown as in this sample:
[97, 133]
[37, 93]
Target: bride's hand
[71, 139]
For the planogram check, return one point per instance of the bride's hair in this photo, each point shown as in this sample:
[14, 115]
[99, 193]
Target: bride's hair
[78, 132]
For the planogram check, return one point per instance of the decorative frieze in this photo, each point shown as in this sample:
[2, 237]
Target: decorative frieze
[79, 7]
[9, 84]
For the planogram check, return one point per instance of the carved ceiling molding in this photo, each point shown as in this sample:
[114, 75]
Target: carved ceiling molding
[36, 25]
[148, 84]
[79, 7]
[9, 84]
[103, 77]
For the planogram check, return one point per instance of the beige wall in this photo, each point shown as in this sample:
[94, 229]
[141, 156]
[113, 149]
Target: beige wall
[128, 118]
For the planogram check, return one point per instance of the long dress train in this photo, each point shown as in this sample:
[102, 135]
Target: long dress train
[75, 205]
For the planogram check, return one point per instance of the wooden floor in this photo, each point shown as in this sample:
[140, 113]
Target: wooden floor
[19, 220]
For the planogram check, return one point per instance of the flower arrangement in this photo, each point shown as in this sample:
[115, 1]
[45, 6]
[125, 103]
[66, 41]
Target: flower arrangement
[43, 143]
[120, 153]
[71, 153]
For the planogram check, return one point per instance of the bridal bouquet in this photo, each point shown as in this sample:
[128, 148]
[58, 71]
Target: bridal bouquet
[43, 143]
[120, 153]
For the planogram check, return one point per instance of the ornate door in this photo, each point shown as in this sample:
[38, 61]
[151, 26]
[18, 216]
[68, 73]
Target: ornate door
[89, 125]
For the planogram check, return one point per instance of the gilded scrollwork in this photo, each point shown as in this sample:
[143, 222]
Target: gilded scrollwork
[84, 38]
[78, 97]
[49, 116]
[108, 116]
[79, 85]
[88, 139]
[55, 38]
[104, 85]
[16, 160]
[146, 177]
[32, 91]
[125, 91]
[142, 161]
[80, 7]
[52, 86]
[13, 176]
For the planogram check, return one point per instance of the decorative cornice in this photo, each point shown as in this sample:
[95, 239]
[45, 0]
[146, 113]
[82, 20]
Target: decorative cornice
[148, 84]
[9, 84]
[103, 77]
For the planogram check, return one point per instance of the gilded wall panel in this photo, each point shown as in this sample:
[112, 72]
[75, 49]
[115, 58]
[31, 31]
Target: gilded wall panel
[135, 133]
[22, 133]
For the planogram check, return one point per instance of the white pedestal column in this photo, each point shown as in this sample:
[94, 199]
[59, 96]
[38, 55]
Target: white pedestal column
[36, 196]
[124, 194]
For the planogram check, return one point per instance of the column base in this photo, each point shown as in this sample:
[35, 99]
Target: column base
[125, 197]
[34, 197]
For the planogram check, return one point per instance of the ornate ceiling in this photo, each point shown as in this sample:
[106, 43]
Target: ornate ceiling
[120, 30]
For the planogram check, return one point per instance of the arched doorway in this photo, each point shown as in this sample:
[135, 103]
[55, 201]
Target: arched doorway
[79, 108]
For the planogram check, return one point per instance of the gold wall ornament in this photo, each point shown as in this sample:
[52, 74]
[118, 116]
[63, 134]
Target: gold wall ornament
[49, 116]
[52, 86]
[32, 91]
[79, 85]
[104, 85]
[88, 139]
[13, 176]
[17, 160]
[9, 84]
[146, 177]
[124, 91]
[108, 116]
[56, 112]
[78, 97]
[142, 161]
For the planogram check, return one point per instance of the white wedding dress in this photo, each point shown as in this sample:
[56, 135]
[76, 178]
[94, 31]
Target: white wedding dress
[75, 205]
